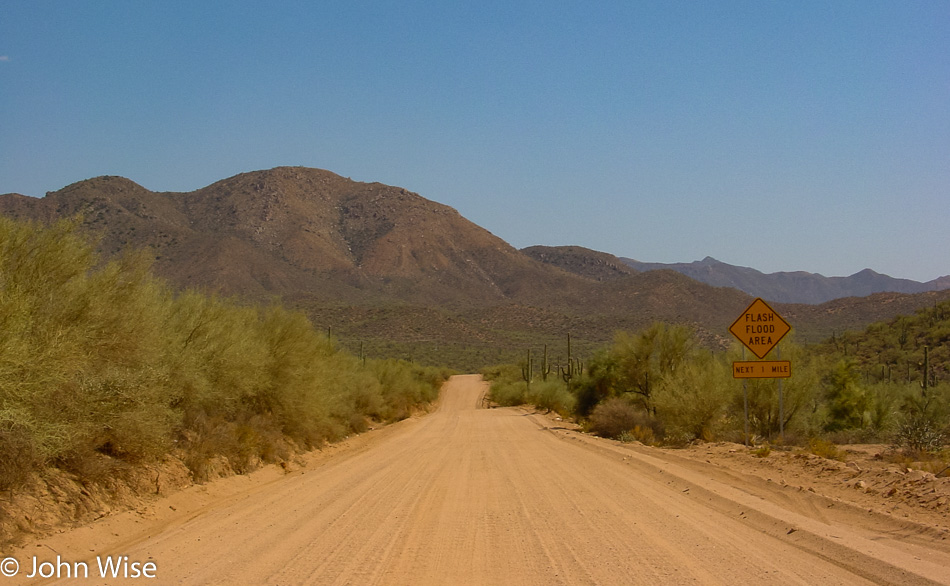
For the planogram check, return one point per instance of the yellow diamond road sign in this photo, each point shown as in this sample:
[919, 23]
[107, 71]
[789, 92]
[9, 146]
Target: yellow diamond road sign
[760, 328]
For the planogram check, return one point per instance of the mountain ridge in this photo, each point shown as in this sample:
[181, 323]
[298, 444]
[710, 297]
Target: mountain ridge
[780, 287]
[289, 229]
[406, 275]
[793, 286]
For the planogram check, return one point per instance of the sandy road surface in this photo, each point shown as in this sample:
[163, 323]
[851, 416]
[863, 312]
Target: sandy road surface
[496, 496]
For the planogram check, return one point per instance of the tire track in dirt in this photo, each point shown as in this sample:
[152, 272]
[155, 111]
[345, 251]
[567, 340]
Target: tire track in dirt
[868, 547]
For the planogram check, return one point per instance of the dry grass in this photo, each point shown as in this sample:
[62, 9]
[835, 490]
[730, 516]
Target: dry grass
[826, 449]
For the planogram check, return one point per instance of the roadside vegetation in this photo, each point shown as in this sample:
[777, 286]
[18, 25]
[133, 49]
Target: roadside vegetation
[888, 384]
[104, 366]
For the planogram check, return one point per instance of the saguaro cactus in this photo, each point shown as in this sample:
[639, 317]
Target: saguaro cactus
[545, 365]
[527, 371]
[571, 368]
[924, 385]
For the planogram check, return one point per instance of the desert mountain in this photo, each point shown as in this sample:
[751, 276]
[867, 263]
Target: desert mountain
[792, 287]
[299, 231]
[408, 276]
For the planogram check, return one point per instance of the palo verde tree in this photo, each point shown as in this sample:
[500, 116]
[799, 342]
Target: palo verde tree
[636, 364]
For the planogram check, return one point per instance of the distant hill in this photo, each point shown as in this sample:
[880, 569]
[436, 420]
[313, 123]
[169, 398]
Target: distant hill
[598, 266]
[894, 349]
[813, 321]
[400, 275]
[792, 287]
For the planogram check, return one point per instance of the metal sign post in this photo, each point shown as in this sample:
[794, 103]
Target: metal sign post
[745, 401]
[781, 402]
[760, 328]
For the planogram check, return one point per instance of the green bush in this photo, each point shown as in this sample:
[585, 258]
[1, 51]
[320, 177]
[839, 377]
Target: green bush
[692, 400]
[847, 400]
[403, 387]
[101, 364]
[508, 393]
[551, 395]
[508, 389]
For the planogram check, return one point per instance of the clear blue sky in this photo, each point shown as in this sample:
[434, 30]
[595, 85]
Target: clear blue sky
[786, 135]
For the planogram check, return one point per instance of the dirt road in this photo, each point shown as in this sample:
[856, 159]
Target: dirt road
[500, 496]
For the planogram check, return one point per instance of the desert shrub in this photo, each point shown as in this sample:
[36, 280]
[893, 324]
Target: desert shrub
[213, 444]
[102, 365]
[141, 434]
[691, 402]
[847, 401]
[434, 377]
[508, 393]
[919, 434]
[20, 449]
[598, 383]
[616, 416]
[551, 395]
[636, 364]
[78, 342]
[353, 396]
[885, 402]
[508, 389]
[825, 449]
[219, 357]
[404, 387]
[802, 397]
[762, 451]
[641, 434]
[502, 373]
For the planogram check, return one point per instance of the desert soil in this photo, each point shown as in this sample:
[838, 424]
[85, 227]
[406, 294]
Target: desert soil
[470, 495]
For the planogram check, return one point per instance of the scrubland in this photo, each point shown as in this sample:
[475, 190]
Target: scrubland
[660, 386]
[104, 367]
